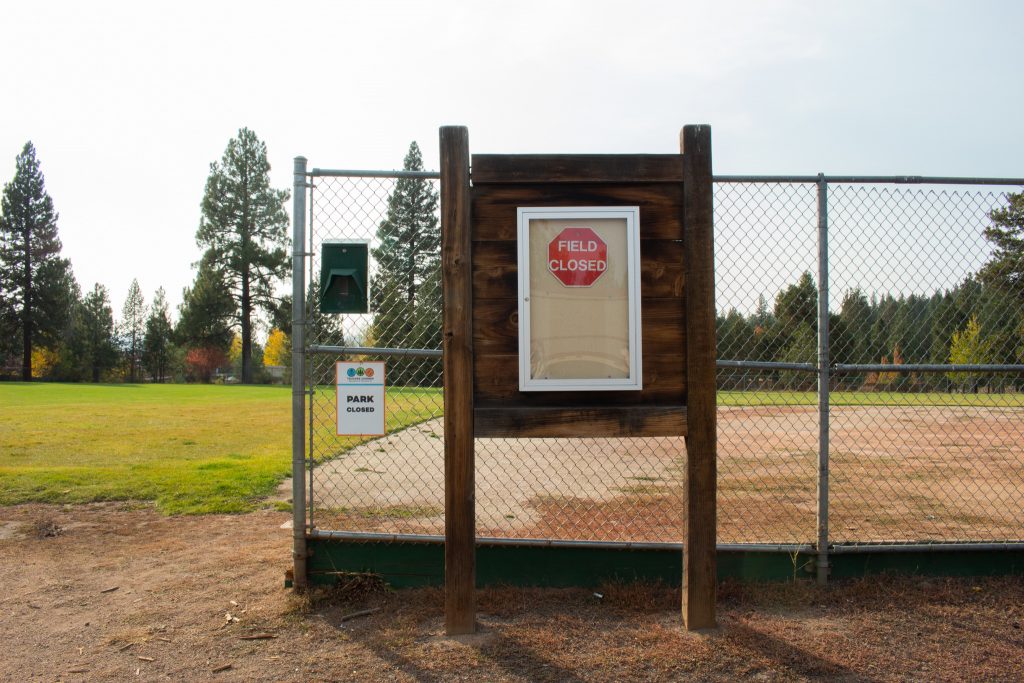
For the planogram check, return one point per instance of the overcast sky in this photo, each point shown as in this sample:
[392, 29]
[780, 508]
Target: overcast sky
[128, 103]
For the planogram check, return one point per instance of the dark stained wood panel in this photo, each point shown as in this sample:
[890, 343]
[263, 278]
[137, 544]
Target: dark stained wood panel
[496, 326]
[661, 206]
[576, 168]
[663, 331]
[581, 421]
[662, 268]
[495, 269]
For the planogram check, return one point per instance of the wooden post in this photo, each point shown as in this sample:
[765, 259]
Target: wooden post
[699, 561]
[457, 343]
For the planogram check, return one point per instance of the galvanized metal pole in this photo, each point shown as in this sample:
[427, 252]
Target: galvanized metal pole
[299, 374]
[823, 381]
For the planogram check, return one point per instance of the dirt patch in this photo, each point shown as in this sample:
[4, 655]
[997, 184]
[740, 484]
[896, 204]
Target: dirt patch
[131, 595]
[897, 474]
[9, 530]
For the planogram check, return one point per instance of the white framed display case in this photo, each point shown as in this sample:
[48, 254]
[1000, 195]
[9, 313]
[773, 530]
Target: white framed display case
[579, 298]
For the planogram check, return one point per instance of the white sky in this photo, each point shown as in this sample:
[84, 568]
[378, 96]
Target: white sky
[128, 103]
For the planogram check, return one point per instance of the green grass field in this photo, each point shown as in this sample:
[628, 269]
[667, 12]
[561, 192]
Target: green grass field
[201, 448]
[189, 448]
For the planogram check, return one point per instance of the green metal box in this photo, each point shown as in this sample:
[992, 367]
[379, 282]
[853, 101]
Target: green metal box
[344, 276]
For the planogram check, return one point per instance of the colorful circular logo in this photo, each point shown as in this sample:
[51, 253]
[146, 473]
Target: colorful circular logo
[360, 372]
[351, 372]
[369, 372]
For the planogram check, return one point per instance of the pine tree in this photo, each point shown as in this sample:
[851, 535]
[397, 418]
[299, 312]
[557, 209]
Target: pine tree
[1006, 267]
[133, 329]
[156, 344]
[36, 284]
[204, 320]
[281, 314]
[406, 293]
[798, 305]
[855, 314]
[244, 229]
[93, 344]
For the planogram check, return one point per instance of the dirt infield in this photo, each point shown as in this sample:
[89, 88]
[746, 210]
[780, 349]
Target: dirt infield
[118, 592]
[896, 474]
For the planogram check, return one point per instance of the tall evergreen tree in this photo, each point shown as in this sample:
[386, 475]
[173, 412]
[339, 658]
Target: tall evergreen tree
[92, 343]
[156, 344]
[281, 314]
[133, 329]
[798, 304]
[855, 314]
[36, 284]
[1006, 267]
[406, 293]
[244, 229]
[204, 320]
[735, 335]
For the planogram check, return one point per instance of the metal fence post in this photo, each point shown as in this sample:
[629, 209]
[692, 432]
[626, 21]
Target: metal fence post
[823, 381]
[299, 374]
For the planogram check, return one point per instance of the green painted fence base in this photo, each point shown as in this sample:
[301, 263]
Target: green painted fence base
[422, 564]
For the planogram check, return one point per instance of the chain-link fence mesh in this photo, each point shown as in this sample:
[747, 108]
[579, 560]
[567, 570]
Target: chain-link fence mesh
[394, 483]
[922, 455]
[768, 433]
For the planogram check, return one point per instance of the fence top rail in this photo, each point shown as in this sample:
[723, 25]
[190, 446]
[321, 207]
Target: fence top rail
[344, 173]
[869, 179]
[372, 351]
[851, 179]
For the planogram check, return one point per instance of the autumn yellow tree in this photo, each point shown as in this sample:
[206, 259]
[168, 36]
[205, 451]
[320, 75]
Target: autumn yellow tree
[43, 361]
[278, 349]
[969, 347]
[235, 352]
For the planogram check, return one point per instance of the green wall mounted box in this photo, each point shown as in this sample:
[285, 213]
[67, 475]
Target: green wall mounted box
[344, 276]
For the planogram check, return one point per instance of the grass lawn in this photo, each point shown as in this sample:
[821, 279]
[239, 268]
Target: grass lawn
[189, 448]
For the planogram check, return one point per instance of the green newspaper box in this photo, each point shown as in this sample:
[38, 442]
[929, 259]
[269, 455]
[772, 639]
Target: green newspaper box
[344, 276]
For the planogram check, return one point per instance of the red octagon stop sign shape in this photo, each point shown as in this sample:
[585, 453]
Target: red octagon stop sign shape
[577, 257]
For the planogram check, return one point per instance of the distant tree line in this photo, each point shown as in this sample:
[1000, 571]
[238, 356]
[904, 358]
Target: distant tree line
[980, 321]
[50, 330]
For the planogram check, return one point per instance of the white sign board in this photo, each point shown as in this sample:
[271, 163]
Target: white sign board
[360, 399]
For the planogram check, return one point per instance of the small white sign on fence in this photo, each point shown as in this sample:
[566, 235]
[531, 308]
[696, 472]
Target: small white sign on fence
[360, 399]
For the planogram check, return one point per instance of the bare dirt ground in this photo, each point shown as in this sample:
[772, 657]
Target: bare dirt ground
[114, 592]
[896, 474]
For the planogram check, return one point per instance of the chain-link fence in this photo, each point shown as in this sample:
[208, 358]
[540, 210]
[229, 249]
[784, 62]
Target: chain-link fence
[844, 418]
[882, 408]
[394, 483]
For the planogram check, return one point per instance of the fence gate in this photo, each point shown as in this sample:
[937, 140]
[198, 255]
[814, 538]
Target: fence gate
[847, 439]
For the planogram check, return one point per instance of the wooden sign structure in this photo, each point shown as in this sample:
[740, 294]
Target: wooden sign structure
[482, 397]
